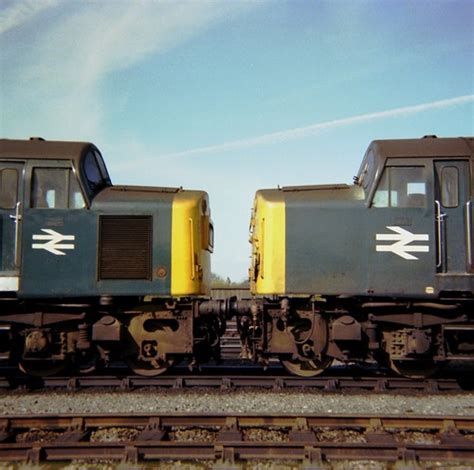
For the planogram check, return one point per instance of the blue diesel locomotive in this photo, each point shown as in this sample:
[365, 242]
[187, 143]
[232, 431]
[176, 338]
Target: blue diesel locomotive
[91, 272]
[379, 271]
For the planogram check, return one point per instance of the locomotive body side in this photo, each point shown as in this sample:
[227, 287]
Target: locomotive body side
[352, 241]
[325, 241]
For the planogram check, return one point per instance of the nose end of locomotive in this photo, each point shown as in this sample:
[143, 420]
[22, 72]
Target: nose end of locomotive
[192, 242]
[268, 240]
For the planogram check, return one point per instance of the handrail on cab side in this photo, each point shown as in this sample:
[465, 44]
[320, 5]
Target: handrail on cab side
[439, 235]
[469, 234]
[17, 218]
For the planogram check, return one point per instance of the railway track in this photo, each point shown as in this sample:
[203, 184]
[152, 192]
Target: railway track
[233, 380]
[229, 439]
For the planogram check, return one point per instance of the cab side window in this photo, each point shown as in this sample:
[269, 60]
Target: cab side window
[8, 188]
[401, 187]
[55, 188]
[450, 187]
[92, 171]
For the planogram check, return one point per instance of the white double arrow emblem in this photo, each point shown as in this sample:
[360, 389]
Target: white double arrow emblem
[53, 242]
[403, 239]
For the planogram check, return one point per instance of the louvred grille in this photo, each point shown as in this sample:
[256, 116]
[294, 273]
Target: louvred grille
[125, 247]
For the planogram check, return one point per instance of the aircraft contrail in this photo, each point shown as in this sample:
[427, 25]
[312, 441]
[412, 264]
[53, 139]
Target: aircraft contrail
[301, 132]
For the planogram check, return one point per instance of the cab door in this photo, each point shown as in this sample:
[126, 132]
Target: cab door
[402, 260]
[453, 217]
[59, 234]
[11, 211]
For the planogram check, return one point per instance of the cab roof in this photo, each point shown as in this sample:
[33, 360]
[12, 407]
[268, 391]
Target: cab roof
[429, 146]
[426, 147]
[40, 149]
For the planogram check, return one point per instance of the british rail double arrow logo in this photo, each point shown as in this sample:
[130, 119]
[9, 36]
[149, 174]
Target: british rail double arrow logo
[53, 242]
[403, 242]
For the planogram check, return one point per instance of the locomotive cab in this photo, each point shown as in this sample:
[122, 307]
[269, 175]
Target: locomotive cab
[418, 196]
[49, 180]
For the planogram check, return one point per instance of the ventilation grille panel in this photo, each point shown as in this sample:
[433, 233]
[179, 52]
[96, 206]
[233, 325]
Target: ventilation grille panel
[125, 246]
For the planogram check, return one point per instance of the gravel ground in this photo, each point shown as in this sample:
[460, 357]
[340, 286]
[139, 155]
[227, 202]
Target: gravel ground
[233, 401]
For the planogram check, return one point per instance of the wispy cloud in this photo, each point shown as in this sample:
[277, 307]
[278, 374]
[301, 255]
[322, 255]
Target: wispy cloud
[52, 77]
[313, 129]
[21, 12]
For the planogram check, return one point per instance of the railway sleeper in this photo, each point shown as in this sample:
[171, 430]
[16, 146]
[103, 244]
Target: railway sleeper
[377, 439]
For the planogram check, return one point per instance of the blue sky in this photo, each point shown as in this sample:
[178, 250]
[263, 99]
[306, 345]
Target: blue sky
[234, 96]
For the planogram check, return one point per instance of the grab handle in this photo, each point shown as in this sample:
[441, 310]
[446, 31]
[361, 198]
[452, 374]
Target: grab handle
[439, 234]
[469, 233]
[17, 218]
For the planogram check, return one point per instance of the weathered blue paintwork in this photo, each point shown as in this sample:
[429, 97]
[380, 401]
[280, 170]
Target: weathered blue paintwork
[31, 267]
[75, 272]
[46, 274]
[154, 202]
[333, 233]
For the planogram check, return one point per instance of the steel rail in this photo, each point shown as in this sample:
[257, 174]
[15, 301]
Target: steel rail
[341, 383]
[305, 439]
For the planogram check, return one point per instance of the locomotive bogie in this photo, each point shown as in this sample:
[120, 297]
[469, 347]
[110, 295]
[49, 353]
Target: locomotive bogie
[414, 340]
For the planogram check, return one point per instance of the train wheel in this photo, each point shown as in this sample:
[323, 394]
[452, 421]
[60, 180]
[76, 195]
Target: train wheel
[148, 369]
[41, 368]
[306, 368]
[417, 369]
